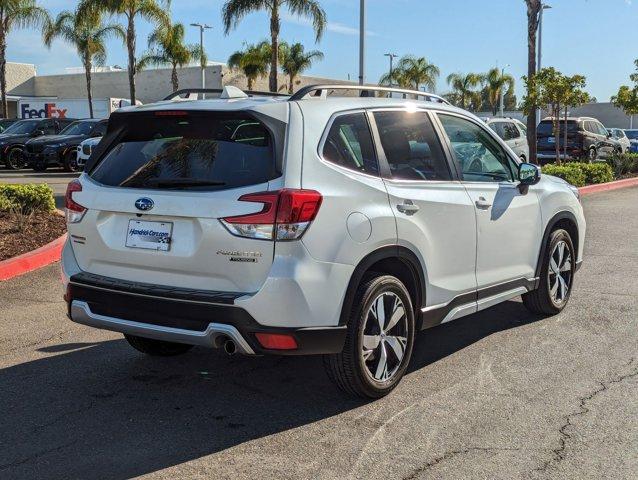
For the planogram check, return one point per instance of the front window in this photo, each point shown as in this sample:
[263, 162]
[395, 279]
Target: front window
[190, 151]
[480, 156]
[78, 128]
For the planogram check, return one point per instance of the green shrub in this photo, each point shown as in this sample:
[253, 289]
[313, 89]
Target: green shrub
[597, 173]
[570, 172]
[622, 164]
[28, 198]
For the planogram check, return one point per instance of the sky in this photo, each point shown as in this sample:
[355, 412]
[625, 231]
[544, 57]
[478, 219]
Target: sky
[595, 38]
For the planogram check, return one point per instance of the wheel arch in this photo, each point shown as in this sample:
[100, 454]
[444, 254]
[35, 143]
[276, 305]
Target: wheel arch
[565, 220]
[394, 260]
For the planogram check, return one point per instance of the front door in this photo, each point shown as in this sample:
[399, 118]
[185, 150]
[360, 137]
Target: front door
[509, 224]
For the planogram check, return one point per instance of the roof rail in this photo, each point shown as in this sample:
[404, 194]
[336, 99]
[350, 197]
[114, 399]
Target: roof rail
[365, 91]
[219, 91]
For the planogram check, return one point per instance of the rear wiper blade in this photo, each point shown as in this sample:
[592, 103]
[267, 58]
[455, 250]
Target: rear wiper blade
[183, 182]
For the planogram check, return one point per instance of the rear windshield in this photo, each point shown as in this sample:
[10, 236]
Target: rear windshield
[546, 127]
[196, 150]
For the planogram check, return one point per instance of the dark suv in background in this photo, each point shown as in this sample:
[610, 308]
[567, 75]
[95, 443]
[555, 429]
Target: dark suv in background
[61, 150]
[587, 139]
[13, 139]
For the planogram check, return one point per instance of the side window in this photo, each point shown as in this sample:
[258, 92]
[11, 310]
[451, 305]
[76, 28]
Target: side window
[100, 130]
[523, 128]
[411, 147]
[511, 132]
[498, 127]
[349, 144]
[601, 130]
[49, 127]
[480, 156]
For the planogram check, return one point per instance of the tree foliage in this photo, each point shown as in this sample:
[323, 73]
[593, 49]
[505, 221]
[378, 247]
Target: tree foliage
[627, 96]
[295, 60]
[253, 61]
[413, 72]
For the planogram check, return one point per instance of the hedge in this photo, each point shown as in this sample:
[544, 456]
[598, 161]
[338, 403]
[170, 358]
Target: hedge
[28, 198]
[580, 174]
[623, 164]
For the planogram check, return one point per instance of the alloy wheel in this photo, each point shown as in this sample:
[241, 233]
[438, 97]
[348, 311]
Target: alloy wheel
[560, 272]
[385, 338]
[16, 159]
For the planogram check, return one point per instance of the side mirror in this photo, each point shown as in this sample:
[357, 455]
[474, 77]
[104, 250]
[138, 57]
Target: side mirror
[529, 174]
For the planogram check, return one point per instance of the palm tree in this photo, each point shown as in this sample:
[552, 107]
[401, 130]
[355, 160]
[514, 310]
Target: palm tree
[16, 13]
[253, 61]
[463, 86]
[88, 35]
[152, 10]
[533, 16]
[295, 60]
[234, 11]
[166, 47]
[495, 84]
[413, 72]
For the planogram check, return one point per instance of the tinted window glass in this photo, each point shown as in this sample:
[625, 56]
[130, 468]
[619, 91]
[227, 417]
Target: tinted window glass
[601, 130]
[349, 144]
[201, 150]
[49, 128]
[411, 147]
[511, 132]
[100, 129]
[23, 127]
[480, 156]
[78, 128]
[499, 128]
[632, 134]
[546, 127]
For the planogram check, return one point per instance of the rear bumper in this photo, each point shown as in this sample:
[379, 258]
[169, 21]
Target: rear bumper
[184, 316]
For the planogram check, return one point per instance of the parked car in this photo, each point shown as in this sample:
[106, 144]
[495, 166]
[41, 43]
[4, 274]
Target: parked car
[311, 224]
[619, 135]
[13, 139]
[514, 133]
[61, 150]
[587, 139]
[6, 123]
[633, 140]
[85, 149]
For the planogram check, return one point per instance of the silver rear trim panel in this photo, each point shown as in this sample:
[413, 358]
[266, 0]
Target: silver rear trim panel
[81, 313]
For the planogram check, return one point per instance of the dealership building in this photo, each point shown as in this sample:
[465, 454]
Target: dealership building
[25, 87]
[30, 94]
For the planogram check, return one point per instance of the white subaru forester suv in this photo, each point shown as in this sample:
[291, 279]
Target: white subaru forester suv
[311, 224]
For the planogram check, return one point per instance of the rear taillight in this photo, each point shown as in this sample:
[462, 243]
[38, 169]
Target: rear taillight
[276, 341]
[73, 210]
[286, 215]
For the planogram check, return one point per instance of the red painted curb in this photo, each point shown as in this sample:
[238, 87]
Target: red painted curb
[33, 260]
[604, 187]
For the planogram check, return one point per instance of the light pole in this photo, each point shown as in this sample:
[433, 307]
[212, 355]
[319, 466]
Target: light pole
[202, 27]
[502, 99]
[544, 7]
[392, 57]
[362, 41]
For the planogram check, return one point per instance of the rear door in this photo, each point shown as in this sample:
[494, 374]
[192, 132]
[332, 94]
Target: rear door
[509, 222]
[434, 214]
[156, 195]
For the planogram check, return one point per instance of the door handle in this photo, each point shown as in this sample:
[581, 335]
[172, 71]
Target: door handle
[482, 204]
[408, 207]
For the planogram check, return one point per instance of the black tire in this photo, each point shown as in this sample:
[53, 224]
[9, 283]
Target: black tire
[70, 162]
[15, 159]
[348, 369]
[541, 301]
[157, 348]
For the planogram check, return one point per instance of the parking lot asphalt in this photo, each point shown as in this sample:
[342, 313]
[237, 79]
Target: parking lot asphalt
[55, 177]
[501, 394]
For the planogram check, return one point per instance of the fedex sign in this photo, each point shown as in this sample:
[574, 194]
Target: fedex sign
[49, 111]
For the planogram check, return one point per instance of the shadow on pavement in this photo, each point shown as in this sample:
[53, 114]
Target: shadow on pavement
[104, 411]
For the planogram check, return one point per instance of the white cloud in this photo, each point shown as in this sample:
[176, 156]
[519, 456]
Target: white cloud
[335, 27]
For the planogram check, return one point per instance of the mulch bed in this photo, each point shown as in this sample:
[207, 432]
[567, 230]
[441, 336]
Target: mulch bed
[41, 229]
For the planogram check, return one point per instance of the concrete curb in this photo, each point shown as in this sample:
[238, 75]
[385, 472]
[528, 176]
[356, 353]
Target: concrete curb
[605, 187]
[27, 262]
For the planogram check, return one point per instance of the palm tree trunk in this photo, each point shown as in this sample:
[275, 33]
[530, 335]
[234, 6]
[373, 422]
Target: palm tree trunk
[250, 83]
[274, 43]
[130, 44]
[556, 113]
[87, 73]
[533, 10]
[3, 74]
[291, 87]
[174, 78]
[565, 135]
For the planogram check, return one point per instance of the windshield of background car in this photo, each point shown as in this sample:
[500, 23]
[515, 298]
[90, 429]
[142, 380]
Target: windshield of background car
[21, 128]
[197, 150]
[78, 128]
[546, 127]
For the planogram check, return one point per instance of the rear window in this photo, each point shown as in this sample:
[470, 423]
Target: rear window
[198, 150]
[546, 127]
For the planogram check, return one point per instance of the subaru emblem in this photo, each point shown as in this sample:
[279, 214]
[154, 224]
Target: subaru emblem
[144, 204]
